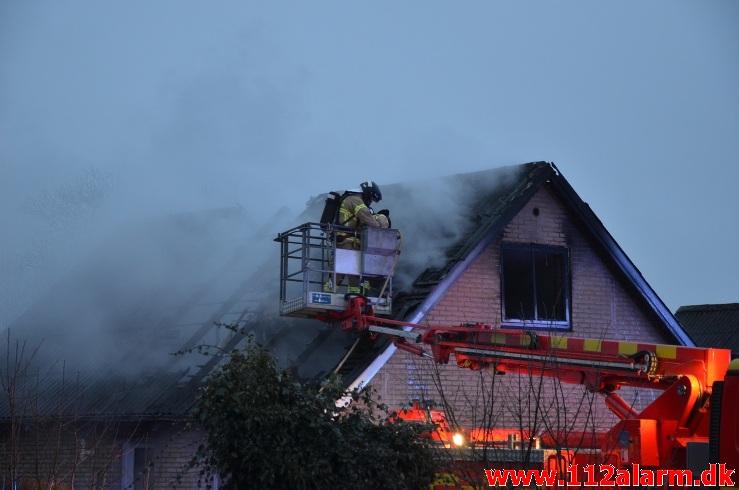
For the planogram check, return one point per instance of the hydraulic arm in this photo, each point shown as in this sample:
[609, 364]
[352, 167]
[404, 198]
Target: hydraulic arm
[656, 436]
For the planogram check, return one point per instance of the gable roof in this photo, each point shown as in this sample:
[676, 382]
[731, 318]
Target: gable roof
[494, 197]
[714, 326]
[162, 287]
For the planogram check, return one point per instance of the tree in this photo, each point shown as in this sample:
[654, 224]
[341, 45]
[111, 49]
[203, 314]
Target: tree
[265, 429]
[532, 408]
[46, 441]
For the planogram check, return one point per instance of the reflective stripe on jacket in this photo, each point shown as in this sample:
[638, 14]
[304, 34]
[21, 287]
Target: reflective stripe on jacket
[354, 213]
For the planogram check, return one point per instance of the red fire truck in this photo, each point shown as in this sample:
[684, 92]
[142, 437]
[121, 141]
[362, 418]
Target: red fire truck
[690, 425]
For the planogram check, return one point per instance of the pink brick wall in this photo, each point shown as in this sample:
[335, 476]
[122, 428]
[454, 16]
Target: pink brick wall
[601, 308]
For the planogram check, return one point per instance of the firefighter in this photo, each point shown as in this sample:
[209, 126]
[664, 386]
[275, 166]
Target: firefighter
[355, 213]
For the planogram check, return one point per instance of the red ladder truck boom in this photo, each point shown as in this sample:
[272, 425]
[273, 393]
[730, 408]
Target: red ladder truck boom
[699, 403]
[697, 410]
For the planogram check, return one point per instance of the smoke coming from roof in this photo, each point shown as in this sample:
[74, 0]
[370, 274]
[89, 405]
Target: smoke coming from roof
[434, 214]
[115, 116]
[161, 279]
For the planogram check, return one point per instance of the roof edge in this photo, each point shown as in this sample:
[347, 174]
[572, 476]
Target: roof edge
[708, 307]
[627, 267]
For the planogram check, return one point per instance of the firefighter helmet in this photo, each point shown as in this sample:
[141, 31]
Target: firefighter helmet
[371, 190]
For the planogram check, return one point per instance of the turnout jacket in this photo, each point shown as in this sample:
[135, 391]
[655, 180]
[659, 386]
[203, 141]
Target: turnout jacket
[354, 213]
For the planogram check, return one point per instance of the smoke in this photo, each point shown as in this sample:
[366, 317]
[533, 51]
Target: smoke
[148, 280]
[433, 215]
[48, 233]
[161, 278]
[140, 168]
[144, 128]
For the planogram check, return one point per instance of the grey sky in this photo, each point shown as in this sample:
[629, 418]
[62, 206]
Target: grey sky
[201, 104]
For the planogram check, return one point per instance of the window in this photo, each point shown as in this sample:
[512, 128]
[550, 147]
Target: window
[137, 471]
[535, 285]
[142, 469]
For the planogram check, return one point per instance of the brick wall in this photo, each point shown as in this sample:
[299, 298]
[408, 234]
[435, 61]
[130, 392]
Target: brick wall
[169, 448]
[601, 308]
[103, 456]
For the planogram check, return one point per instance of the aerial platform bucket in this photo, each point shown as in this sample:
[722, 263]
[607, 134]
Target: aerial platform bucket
[310, 262]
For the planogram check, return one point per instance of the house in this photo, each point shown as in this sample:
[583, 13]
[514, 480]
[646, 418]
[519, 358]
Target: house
[103, 381]
[493, 228]
[714, 326]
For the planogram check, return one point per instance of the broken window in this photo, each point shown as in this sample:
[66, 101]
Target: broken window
[535, 285]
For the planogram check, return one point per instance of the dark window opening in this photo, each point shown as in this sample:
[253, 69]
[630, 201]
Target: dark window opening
[143, 469]
[535, 284]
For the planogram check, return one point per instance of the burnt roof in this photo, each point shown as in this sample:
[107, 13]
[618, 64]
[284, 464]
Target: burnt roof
[715, 325]
[165, 286]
